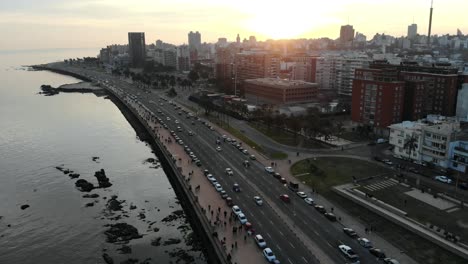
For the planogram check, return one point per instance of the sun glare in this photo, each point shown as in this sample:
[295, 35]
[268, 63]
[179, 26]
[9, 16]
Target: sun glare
[290, 20]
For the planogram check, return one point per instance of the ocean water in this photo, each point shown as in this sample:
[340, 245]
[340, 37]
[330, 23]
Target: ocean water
[38, 133]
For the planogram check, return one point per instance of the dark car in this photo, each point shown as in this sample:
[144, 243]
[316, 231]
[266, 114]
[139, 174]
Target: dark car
[236, 187]
[330, 217]
[229, 201]
[283, 181]
[377, 158]
[206, 172]
[277, 175]
[350, 232]
[377, 252]
[285, 198]
[320, 208]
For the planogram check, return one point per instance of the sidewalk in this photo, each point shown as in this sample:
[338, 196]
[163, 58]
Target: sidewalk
[239, 245]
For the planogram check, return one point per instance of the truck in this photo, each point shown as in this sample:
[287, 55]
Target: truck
[293, 186]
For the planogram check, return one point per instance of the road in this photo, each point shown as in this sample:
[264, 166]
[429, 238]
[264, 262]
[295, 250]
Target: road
[296, 231]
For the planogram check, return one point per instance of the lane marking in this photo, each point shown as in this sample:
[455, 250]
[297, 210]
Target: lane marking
[292, 245]
[290, 261]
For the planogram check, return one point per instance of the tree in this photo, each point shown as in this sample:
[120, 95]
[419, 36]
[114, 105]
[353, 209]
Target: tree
[295, 124]
[411, 144]
[193, 76]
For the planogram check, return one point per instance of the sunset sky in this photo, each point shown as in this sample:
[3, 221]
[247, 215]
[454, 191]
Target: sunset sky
[36, 24]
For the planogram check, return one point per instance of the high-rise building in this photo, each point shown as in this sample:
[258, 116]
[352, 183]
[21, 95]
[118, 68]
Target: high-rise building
[412, 31]
[194, 40]
[137, 48]
[346, 34]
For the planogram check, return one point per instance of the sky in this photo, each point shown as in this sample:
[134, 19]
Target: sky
[41, 24]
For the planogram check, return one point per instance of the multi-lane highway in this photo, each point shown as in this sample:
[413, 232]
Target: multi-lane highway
[296, 232]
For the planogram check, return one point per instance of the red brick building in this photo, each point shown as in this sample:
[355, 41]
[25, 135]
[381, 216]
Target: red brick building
[278, 91]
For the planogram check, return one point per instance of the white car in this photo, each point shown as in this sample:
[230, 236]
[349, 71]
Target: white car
[218, 187]
[245, 152]
[229, 172]
[242, 218]
[443, 179]
[260, 241]
[309, 201]
[224, 136]
[364, 242]
[269, 170]
[210, 177]
[236, 210]
[349, 253]
[218, 149]
[303, 195]
[258, 200]
[268, 253]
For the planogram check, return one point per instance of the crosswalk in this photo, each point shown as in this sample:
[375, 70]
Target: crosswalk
[380, 185]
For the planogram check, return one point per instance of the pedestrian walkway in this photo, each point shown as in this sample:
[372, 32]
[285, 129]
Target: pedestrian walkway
[381, 185]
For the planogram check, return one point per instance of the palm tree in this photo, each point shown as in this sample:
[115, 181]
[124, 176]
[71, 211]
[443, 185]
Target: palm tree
[411, 144]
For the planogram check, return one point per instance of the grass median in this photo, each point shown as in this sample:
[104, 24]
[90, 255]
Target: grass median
[286, 138]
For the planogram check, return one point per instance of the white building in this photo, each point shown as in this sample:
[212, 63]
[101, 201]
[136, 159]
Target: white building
[462, 102]
[432, 137]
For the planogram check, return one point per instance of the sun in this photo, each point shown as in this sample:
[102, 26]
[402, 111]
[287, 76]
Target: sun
[281, 21]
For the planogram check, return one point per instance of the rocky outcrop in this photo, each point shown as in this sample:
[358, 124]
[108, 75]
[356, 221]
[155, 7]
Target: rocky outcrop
[174, 216]
[121, 232]
[84, 185]
[94, 195]
[107, 258]
[113, 204]
[102, 179]
[24, 206]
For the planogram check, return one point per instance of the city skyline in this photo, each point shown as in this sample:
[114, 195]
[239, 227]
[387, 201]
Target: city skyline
[95, 23]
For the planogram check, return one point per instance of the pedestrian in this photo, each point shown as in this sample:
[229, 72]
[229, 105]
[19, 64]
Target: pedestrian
[245, 237]
[224, 223]
[225, 214]
[219, 209]
[332, 209]
[235, 244]
[209, 207]
[366, 230]
[212, 213]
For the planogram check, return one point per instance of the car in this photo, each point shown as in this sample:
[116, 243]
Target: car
[245, 152]
[198, 163]
[285, 198]
[224, 194]
[218, 149]
[190, 133]
[320, 208]
[228, 139]
[218, 187]
[303, 195]
[390, 261]
[211, 178]
[350, 232]
[364, 242]
[349, 253]
[229, 171]
[224, 136]
[236, 187]
[330, 216]
[236, 210]
[269, 170]
[229, 201]
[268, 254]
[309, 201]
[377, 252]
[443, 179]
[246, 163]
[258, 200]
[252, 157]
[283, 180]
[260, 241]
[242, 218]
[277, 175]
[206, 172]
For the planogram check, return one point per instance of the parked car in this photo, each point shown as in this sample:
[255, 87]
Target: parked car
[303, 195]
[224, 194]
[349, 253]
[277, 175]
[260, 241]
[377, 252]
[330, 216]
[364, 242]
[252, 157]
[268, 254]
[320, 208]
[218, 187]
[350, 232]
[269, 170]
[443, 179]
[206, 172]
[258, 200]
[390, 261]
[242, 218]
[236, 209]
[283, 180]
[229, 201]
[285, 198]
[309, 201]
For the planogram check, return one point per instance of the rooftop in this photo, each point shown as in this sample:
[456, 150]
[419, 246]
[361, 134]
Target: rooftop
[280, 83]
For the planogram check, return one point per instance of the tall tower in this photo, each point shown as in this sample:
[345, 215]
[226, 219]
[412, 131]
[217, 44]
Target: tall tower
[430, 26]
[137, 48]
[238, 39]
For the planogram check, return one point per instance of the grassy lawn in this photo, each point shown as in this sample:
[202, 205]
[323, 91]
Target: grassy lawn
[285, 138]
[353, 136]
[279, 155]
[327, 172]
[323, 173]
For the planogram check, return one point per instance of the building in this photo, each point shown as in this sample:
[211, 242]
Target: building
[105, 55]
[462, 102]
[278, 91]
[458, 156]
[170, 58]
[412, 31]
[254, 65]
[194, 40]
[377, 98]
[304, 68]
[183, 58]
[137, 49]
[346, 35]
[431, 138]
[224, 64]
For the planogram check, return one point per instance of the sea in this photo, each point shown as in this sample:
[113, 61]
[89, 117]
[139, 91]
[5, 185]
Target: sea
[44, 218]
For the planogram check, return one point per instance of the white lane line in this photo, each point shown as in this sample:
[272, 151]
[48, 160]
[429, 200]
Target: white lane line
[278, 247]
[271, 222]
[281, 233]
[315, 232]
[268, 235]
[261, 211]
[292, 245]
[329, 244]
[290, 261]
[305, 260]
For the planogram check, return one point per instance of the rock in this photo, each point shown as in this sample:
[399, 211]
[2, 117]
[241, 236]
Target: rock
[133, 207]
[183, 255]
[129, 261]
[95, 158]
[74, 175]
[24, 206]
[171, 241]
[155, 229]
[121, 232]
[107, 258]
[156, 242]
[113, 204]
[174, 216]
[102, 179]
[125, 249]
[48, 90]
[141, 216]
[84, 185]
[59, 168]
[89, 204]
[94, 195]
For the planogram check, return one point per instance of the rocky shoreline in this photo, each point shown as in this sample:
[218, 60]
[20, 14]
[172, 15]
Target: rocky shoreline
[81, 87]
